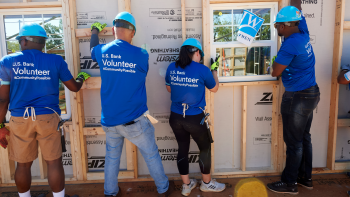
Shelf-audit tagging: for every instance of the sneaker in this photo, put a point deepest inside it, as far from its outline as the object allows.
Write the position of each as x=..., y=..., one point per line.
x=186, y=189
x=169, y=191
x=307, y=183
x=348, y=193
x=281, y=187
x=213, y=186
x=118, y=194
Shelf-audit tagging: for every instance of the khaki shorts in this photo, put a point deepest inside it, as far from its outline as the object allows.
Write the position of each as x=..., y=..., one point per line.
x=25, y=134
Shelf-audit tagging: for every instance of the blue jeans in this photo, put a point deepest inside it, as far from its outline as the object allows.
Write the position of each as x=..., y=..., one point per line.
x=297, y=113
x=141, y=133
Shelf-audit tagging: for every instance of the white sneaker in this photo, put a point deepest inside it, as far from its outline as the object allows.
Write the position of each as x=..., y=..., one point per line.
x=186, y=189
x=213, y=186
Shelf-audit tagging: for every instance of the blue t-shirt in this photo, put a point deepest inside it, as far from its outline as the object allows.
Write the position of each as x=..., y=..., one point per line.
x=297, y=53
x=34, y=80
x=188, y=86
x=123, y=70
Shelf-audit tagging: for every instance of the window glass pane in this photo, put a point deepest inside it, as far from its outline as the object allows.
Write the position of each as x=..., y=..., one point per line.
x=237, y=17
x=264, y=33
x=241, y=61
x=222, y=17
x=33, y=18
x=222, y=34
x=54, y=28
x=55, y=46
x=12, y=25
x=12, y=46
x=264, y=13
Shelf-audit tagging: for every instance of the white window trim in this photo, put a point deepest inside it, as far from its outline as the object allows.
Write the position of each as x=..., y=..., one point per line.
x=3, y=51
x=272, y=43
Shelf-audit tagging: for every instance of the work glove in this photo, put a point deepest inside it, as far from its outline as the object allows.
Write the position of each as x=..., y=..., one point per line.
x=215, y=65
x=3, y=133
x=273, y=59
x=83, y=75
x=345, y=67
x=98, y=26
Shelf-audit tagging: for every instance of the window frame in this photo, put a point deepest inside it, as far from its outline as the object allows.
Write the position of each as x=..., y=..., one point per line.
x=235, y=44
x=29, y=11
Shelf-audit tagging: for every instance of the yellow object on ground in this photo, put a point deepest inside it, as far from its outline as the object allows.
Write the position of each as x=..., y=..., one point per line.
x=250, y=187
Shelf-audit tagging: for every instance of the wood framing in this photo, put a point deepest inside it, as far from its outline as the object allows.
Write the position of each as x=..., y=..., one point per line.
x=274, y=127
x=337, y=53
x=240, y=1
x=183, y=21
x=244, y=128
x=31, y=5
x=86, y=32
x=347, y=25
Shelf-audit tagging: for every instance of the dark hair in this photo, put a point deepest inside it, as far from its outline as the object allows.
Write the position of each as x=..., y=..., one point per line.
x=185, y=56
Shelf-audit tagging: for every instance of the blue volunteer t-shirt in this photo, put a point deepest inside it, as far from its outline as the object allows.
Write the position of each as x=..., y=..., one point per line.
x=297, y=53
x=188, y=86
x=123, y=70
x=34, y=80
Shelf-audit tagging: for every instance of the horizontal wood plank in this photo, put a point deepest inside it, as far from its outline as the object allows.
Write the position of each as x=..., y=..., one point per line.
x=31, y=5
x=127, y=174
x=240, y=1
x=343, y=122
x=93, y=131
x=251, y=83
x=86, y=32
x=92, y=83
x=347, y=25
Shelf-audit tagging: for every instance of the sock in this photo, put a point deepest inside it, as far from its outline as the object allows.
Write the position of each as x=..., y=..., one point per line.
x=25, y=194
x=59, y=194
x=207, y=183
x=189, y=183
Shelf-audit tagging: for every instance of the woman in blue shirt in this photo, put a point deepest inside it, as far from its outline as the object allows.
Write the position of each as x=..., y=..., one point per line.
x=186, y=80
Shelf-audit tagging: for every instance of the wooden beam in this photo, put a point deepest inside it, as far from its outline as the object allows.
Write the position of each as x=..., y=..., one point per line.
x=92, y=83
x=129, y=155
x=77, y=103
x=86, y=32
x=42, y=165
x=240, y=1
x=244, y=128
x=127, y=174
x=337, y=53
x=127, y=5
x=183, y=20
x=252, y=83
x=347, y=25
x=31, y=5
x=274, y=127
x=5, y=165
x=343, y=122
x=233, y=126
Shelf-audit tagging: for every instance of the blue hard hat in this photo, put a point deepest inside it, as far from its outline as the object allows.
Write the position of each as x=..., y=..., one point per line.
x=126, y=16
x=32, y=29
x=288, y=14
x=195, y=43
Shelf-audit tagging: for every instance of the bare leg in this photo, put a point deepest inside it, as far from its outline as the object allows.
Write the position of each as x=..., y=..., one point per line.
x=55, y=175
x=206, y=178
x=185, y=179
x=23, y=176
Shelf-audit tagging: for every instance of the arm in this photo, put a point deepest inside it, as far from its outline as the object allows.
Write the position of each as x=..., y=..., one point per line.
x=296, y=3
x=341, y=77
x=215, y=75
x=168, y=88
x=94, y=41
x=4, y=103
x=277, y=69
x=74, y=85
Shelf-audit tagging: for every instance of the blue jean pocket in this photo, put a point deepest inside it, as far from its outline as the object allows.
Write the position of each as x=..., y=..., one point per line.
x=134, y=130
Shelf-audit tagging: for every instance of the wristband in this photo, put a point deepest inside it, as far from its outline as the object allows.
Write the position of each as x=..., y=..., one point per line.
x=80, y=77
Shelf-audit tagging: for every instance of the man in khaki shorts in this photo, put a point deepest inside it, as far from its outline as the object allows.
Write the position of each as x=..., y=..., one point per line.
x=30, y=90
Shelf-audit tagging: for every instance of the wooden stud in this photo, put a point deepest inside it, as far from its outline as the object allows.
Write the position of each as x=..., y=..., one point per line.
x=42, y=165
x=135, y=161
x=129, y=155
x=92, y=83
x=31, y=5
x=233, y=126
x=240, y=1
x=343, y=123
x=93, y=131
x=73, y=151
x=5, y=165
x=86, y=32
x=183, y=21
x=252, y=83
x=274, y=127
x=347, y=25
x=244, y=128
x=127, y=174
x=337, y=53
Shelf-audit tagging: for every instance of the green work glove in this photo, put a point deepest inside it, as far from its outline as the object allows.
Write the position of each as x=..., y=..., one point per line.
x=83, y=75
x=215, y=65
x=273, y=59
x=98, y=26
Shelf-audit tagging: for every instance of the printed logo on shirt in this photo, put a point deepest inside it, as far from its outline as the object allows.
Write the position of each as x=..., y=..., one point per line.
x=115, y=65
x=29, y=73
x=182, y=81
x=308, y=48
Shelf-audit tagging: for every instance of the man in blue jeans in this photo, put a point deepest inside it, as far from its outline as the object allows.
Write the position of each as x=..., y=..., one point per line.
x=123, y=70
x=296, y=62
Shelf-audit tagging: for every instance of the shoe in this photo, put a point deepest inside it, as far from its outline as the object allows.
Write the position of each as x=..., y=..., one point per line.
x=212, y=186
x=169, y=191
x=348, y=193
x=66, y=195
x=118, y=194
x=186, y=189
x=307, y=183
x=281, y=187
